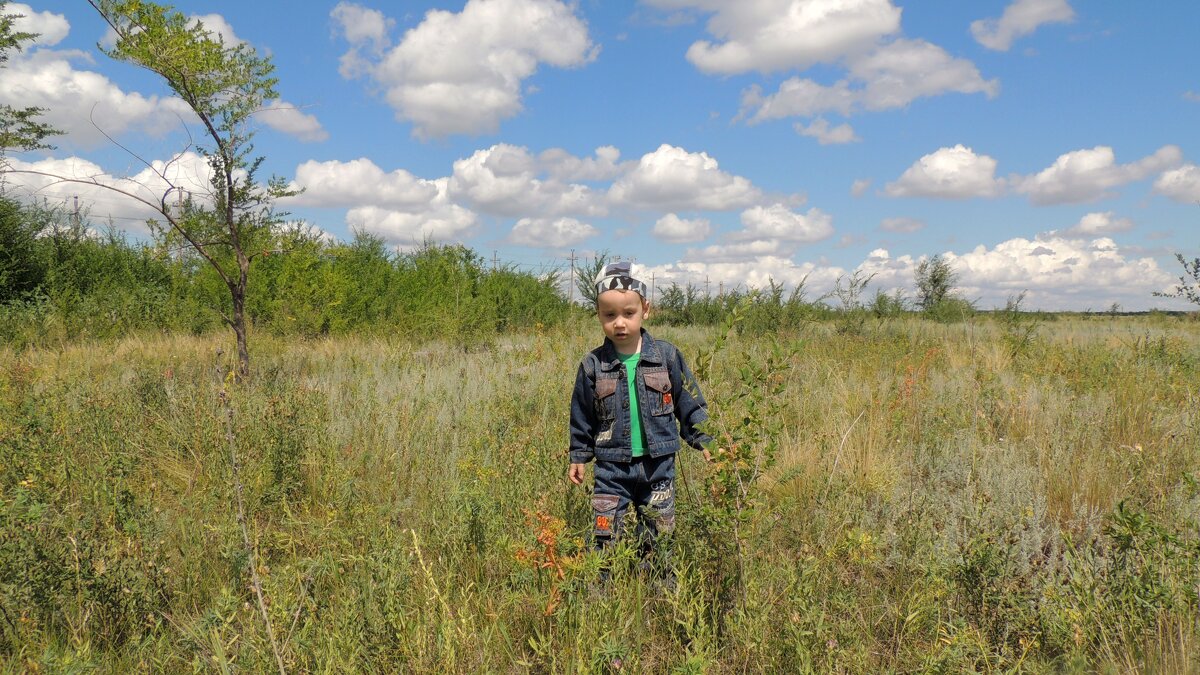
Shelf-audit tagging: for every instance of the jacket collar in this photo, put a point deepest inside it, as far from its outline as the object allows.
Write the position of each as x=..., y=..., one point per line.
x=611, y=360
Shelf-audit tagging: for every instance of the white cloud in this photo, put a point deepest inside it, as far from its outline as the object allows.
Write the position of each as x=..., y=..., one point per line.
x=771, y=35
x=73, y=177
x=360, y=181
x=501, y=174
x=739, y=251
x=1088, y=175
x=1191, y=96
x=551, y=233
x=1094, y=224
x=890, y=76
x=1182, y=184
x=674, y=229
x=888, y=272
x=901, y=225
x=860, y=186
x=367, y=31
x=287, y=118
x=49, y=27
x=1020, y=18
x=83, y=103
x=502, y=180
x=827, y=135
x=506, y=180
x=564, y=166
x=905, y=70
x=1078, y=176
x=402, y=208
x=949, y=173
x=777, y=222
x=671, y=178
x=1059, y=273
x=884, y=69
x=798, y=97
x=768, y=231
x=87, y=105
x=463, y=73
x=748, y=273
x=443, y=222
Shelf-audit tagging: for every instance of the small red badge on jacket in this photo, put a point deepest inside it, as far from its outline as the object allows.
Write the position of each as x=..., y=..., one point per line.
x=667, y=398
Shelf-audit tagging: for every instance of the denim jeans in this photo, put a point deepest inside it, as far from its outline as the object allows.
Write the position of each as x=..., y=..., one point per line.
x=648, y=483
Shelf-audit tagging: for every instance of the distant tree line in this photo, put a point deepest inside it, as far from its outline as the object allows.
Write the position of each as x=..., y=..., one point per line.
x=62, y=280
x=848, y=305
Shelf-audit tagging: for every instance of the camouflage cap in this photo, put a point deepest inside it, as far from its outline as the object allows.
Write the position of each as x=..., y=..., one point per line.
x=619, y=276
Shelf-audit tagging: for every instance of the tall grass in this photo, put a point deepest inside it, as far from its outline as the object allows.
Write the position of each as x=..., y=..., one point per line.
x=921, y=496
x=62, y=282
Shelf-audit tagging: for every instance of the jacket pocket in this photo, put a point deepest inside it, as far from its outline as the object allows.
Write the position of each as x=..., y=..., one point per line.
x=605, y=388
x=658, y=389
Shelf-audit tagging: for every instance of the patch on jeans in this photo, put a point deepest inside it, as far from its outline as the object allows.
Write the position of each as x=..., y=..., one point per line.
x=605, y=508
x=662, y=506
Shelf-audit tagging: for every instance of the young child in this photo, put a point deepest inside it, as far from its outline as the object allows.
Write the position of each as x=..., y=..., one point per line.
x=634, y=397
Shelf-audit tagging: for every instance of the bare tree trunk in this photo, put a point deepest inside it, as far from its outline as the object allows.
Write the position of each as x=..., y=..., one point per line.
x=239, y=329
x=238, y=291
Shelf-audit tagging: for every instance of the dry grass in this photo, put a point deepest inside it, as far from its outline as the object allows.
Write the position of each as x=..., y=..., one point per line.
x=940, y=501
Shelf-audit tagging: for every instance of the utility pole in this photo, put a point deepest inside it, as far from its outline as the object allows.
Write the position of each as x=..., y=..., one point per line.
x=495, y=263
x=706, y=285
x=720, y=289
x=571, y=280
x=652, y=287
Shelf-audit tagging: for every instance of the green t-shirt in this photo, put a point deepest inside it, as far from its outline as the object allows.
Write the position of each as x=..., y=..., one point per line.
x=637, y=440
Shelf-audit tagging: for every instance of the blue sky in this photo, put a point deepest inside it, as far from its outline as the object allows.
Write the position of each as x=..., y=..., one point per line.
x=1046, y=146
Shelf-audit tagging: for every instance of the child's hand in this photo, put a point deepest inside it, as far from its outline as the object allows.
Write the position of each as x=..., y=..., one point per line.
x=575, y=473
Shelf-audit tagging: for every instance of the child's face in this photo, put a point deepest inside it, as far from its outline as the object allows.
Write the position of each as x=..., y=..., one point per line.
x=621, y=314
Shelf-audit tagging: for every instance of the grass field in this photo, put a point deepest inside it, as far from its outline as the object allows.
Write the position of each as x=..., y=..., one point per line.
x=993, y=495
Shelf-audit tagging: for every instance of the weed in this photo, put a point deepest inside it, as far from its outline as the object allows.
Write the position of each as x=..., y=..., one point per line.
x=1020, y=328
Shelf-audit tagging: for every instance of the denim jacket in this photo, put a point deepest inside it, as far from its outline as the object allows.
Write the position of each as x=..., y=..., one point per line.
x=669, y=401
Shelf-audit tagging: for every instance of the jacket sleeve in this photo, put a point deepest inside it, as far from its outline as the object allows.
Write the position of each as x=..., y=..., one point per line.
x=583, y=418
x=690, y=408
